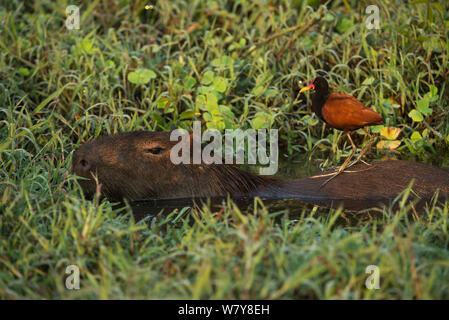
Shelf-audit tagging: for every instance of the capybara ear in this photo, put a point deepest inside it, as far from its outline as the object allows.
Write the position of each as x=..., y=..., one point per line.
x=154, y=150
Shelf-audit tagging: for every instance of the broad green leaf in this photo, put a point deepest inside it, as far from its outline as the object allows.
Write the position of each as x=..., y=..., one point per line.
x=222, y=62
x=423, y=106
x=425, y=133
x=261, y=120
x=207, y=116
x=157, y=118
x=416, y=115
x=228, y=39
x=208, y=77
x=24, y=71
x=433, y=90
x=141, y=76
x=258, y=123
x=220, y=84
x=110, y=63
x=162, y=102
x=200, y=101
x=344, y=25
x=189, y=82
x=211, y=102
x=432, y=94
x=205, y=89
x=387, y=103
x=210, y=125
x=217, y=120
x=416, y=136
x=226, y=111
x=270, y=93
x=87, y=46
x=376, y=129
x=258, y=90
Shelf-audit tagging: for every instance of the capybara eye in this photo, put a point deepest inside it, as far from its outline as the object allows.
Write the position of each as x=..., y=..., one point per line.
x=83, y=163
x=155, y=150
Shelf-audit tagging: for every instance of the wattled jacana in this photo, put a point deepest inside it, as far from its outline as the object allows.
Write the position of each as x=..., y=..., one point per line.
x=342, y=112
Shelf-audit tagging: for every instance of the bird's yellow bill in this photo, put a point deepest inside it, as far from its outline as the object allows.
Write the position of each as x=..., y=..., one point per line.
x=305, y=89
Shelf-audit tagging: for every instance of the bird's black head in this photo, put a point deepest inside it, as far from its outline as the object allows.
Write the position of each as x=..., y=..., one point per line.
x=319, y=97
x=319, y=84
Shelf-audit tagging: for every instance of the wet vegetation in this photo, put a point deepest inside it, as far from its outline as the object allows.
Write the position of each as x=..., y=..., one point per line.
x=230, y=64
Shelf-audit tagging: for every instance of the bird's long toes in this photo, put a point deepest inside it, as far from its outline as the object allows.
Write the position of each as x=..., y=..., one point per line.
x=327, y=181
x=366, y=163
x=356, y=161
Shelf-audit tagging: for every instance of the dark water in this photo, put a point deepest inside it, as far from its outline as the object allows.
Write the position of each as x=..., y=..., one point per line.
x=144, y=208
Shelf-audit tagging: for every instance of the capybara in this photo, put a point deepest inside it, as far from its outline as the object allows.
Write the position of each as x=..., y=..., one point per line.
x=137, y=166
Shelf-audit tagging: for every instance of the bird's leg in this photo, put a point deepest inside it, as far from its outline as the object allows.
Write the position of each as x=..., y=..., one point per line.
x=354, y=148
x=364, y=150
x=344, y=165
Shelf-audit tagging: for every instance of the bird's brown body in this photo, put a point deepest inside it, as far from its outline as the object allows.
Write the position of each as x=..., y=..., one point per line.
x=346, y=113
x=338, y=110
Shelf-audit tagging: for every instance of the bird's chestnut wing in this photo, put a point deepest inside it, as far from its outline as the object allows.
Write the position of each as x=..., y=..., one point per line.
x=344, y=112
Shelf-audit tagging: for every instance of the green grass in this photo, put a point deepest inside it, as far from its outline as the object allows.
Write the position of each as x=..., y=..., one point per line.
x=60, y=88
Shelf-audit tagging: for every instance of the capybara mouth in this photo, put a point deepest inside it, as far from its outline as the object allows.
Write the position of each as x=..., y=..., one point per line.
x=88, y=189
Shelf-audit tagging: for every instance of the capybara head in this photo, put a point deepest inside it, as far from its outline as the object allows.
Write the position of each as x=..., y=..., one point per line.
x=137, y=165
